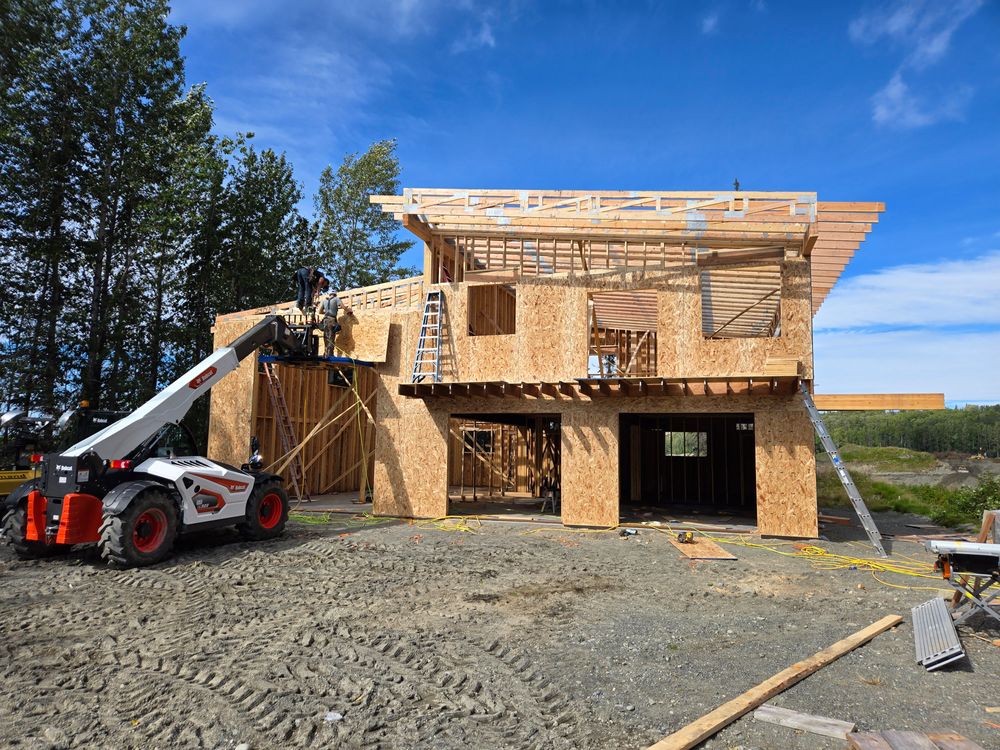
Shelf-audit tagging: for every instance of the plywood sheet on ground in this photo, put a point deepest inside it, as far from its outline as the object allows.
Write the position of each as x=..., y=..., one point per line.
x=702, y=549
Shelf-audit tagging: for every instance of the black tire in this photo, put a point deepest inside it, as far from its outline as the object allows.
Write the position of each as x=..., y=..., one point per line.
x=15, y=525
x=267, y=512
x=142, y=534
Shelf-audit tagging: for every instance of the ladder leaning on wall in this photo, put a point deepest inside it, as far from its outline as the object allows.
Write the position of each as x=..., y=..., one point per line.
x=286, y=431
x=427, y=362
x=845, y=476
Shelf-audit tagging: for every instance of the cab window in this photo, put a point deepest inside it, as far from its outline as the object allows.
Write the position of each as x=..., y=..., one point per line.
x=174, y=441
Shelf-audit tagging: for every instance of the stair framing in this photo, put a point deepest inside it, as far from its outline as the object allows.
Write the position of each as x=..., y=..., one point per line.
x=286, y=431
x=427, y=360
x=845, y=476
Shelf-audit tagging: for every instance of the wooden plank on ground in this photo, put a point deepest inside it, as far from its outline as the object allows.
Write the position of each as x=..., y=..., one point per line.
x=903, y=740
x=867, y=741
x=806, y=722
x=702, y=549
x=952, y=741
x=838, y=520
x=689, y=736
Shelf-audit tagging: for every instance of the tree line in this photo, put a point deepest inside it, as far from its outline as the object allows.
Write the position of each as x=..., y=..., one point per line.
x=127, y=224
x=971, y=430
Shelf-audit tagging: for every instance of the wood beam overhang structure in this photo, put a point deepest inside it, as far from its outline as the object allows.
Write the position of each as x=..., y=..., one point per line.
x=506, y=234
x=595, y=388
x=878, y=401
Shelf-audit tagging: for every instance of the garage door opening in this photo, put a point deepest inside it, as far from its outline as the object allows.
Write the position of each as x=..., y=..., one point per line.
x=501, y=464
x=693, y=463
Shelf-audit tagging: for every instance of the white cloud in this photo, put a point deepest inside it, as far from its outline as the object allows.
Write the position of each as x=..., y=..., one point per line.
x=897, y=106
x=962, y=365
x=946, y=293
x=482, y=37
x=922, y=28
x=926, y=327
x=923, y=31
x=710, y=23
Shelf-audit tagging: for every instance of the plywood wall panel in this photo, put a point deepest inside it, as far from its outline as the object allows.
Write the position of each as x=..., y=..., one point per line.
x=786, y=470
x=230, y=422
x=590, y=466
x=411, y=454
x=683, y=349
x=364, y=335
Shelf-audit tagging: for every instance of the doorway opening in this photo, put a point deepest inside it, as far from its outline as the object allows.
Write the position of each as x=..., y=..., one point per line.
x=688, y=463
x=504, y=464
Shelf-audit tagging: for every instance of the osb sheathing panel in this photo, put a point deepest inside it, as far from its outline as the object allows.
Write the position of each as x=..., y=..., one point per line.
x=549, y=342
x=683, y=350
x=552, y=334
x=412, y=455
x=411, y=446
x=786, y=471
x=230, y=423
x=364, y=335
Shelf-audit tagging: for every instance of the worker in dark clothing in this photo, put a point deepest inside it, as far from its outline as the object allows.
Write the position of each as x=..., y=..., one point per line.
x=328, y=308
x=308, y=282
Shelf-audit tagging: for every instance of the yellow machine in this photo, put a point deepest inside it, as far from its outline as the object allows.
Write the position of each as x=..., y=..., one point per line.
x=24, y=433
x=11, y=479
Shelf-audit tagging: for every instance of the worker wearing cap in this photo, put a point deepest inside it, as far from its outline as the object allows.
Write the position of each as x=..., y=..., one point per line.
x=328, y=309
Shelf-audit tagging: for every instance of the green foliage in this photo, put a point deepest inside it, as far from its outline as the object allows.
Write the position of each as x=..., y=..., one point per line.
x=946, y=506
x=356, y=240
x=887, y=459
x=968, y=430
x=127, y=226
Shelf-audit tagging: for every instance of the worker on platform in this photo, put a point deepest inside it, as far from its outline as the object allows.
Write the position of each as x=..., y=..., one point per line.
x=309, y=283
x=328, y=308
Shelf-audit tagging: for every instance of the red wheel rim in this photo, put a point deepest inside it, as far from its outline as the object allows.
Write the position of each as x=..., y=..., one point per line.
x=150, y=530
x=269, y=510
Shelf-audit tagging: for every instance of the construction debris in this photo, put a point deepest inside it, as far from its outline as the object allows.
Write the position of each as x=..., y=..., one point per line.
x=727, y=713
x=805, y=722
x=891, y=739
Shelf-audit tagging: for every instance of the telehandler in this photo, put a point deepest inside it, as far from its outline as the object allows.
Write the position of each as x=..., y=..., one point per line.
x=131, y=489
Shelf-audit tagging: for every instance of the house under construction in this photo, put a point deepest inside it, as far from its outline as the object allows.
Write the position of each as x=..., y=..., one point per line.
x=606, y=354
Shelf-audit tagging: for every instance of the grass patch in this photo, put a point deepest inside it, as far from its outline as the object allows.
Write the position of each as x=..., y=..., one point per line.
x=948, y=507
x=888, y=459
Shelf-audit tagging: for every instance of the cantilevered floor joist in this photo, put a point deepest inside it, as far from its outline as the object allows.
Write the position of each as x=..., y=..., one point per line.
x=753, y=385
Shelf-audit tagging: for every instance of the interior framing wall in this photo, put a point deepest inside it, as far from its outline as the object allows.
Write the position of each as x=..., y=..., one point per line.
x=340, y=458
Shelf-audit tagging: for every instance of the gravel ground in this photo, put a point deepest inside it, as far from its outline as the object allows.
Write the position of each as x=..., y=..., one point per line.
x=400, y=635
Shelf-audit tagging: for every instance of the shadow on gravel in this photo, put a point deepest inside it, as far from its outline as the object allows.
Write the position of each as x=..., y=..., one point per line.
x=216, y=546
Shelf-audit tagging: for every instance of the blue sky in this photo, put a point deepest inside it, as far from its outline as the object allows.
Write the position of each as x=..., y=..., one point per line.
x=896, y=102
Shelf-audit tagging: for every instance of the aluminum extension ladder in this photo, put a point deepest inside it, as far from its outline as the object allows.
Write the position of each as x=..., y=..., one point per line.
x=429, y=344
x=286, y=431
x=845, y=476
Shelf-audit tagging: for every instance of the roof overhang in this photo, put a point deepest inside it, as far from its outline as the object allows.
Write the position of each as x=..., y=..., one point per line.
x=553, y=231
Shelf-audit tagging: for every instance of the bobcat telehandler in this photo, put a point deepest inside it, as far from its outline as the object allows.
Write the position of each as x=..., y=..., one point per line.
x=125, y=488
